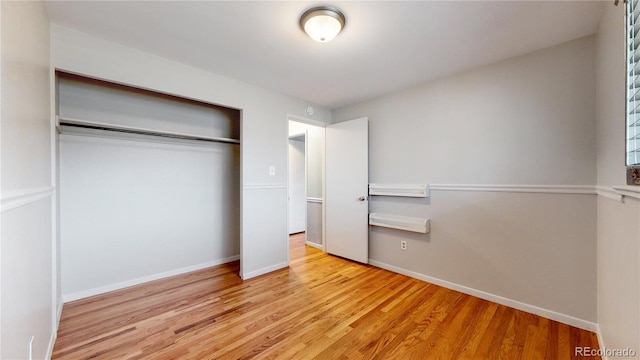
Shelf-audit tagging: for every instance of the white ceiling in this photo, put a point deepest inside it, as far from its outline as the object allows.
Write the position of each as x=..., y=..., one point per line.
x=385, y=46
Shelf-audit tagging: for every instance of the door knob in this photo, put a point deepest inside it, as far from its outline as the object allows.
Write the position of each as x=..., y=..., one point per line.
x=362, y=198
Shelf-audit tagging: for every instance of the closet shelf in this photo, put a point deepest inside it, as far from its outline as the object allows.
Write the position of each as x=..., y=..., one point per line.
x=418, y=225
x=85, y=124
x=405, y=190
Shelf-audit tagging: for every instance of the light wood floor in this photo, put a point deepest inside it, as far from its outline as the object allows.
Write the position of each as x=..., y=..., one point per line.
x=322, y=307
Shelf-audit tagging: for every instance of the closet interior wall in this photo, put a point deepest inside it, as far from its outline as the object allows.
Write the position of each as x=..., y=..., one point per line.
x=134, y=208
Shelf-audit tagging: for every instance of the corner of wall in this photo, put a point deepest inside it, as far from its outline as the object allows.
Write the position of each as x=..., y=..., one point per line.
x=618, y=232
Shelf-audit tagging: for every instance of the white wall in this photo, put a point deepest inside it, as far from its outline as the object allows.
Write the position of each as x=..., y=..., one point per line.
x=618, y=221
x=314, y=223
x=27, y=288
x=264, y=130
x=610, y=95
x=297, y=185
x=315, y=139
x=516, y=125
x=135, y=210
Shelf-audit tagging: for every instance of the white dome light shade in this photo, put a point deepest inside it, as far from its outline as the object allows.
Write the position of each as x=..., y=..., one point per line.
x=322, y=28
x=322, y=24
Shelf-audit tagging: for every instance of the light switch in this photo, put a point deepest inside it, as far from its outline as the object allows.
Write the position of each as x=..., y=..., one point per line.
x=272, y=170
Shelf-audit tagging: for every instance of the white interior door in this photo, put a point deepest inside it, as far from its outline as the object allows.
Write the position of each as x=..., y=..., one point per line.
x=346, y=189
x=297, y=188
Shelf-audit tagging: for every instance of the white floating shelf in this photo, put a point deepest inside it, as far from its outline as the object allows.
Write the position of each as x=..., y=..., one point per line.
x=418, y=225
x=407, y=190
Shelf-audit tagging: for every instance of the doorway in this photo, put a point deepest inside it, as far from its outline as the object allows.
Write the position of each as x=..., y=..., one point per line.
x=306, y=179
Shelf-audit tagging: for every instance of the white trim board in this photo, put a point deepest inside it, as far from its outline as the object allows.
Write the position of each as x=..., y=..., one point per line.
x=59, y=312
x=264, y=186
x=549, y=314
x=609, y=193
x=618, y=193
x=54, y=332
x=141, y=280
x=14, y=199
x=601, y=344
x=264, y=270
x=314, y=245
x=51, y=344
x=630, y=191
x=545, y=189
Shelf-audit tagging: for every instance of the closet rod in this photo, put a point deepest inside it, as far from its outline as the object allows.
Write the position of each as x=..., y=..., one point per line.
x=140, y=131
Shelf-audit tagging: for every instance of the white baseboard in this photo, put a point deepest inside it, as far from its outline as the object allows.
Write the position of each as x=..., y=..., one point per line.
x=314, y=245
x=52, y=342
x=59, y=312
x=54, y=331
x=60, y=306
x=121, y=285
x=264, y=270
x=549, y=314
x=601, y=344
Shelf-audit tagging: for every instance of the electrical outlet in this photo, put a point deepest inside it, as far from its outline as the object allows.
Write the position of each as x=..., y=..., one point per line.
x=403, y=245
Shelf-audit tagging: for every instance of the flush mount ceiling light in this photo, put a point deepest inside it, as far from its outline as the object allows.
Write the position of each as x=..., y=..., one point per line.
x=322, y=23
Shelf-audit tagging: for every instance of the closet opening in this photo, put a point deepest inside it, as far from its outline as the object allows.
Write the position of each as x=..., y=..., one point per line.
x=149, y=185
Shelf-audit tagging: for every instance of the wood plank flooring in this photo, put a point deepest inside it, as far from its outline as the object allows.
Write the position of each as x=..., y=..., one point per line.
x=321, y=307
